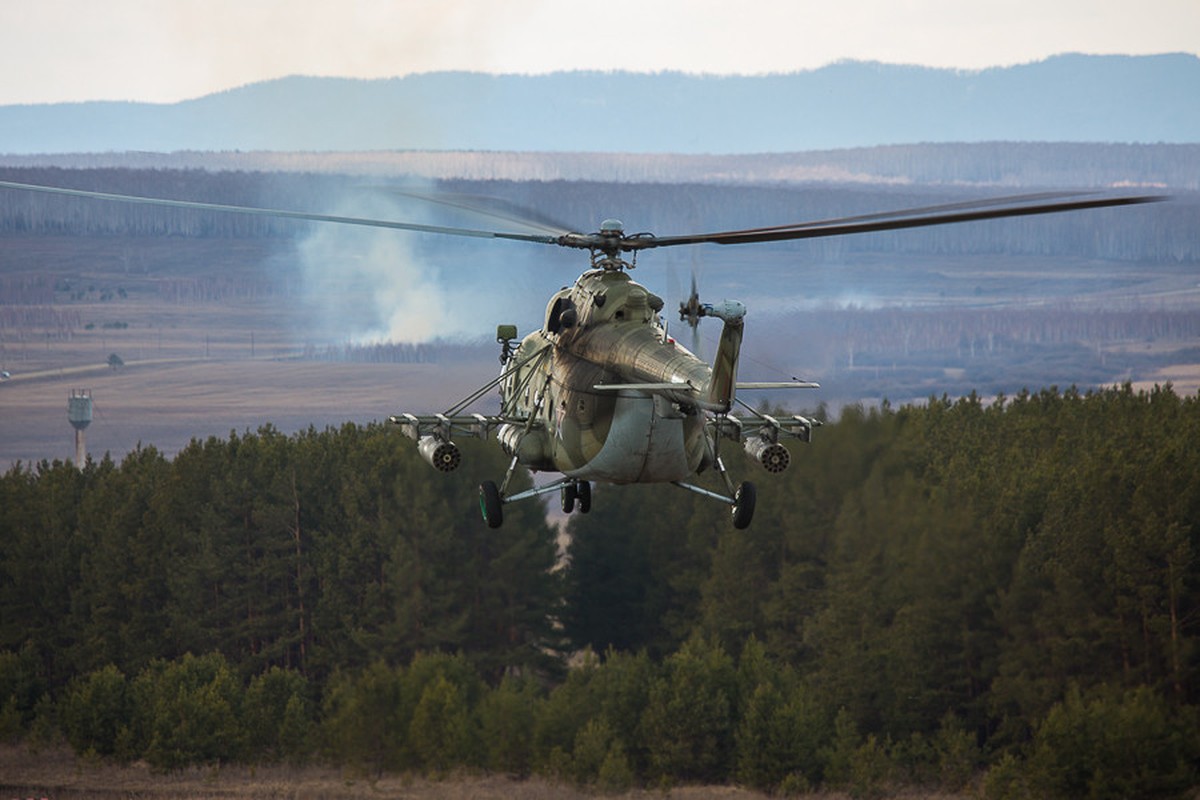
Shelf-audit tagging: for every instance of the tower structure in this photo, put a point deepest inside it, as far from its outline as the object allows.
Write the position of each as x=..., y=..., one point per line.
x=79, y=412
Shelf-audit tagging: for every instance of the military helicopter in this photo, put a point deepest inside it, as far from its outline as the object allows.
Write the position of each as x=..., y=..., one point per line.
x=601, y=392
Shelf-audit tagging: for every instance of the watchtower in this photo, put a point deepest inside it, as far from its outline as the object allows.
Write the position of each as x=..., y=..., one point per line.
x=79, y=413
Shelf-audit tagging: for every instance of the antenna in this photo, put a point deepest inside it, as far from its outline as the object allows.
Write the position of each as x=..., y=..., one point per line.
x=79, y=413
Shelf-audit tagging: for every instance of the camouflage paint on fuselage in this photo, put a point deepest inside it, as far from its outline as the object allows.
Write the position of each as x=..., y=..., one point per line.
x=606, y=330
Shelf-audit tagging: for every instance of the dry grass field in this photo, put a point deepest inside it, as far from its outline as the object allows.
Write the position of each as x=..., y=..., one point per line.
x=193, y=366
x=168, y=402
x=57, y=774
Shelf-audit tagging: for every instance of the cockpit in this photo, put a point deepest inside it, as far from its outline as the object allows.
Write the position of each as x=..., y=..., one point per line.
x=599, y=298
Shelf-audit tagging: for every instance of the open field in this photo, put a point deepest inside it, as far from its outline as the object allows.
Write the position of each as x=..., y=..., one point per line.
x=216, y=335
x=57, y=774
x=223, y=352
x=168, y=403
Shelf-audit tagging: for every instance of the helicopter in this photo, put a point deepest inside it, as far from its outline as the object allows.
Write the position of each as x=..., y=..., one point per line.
x=601, y=393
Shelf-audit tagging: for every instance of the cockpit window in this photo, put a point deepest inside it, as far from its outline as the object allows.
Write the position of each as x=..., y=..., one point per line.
x=562, y=315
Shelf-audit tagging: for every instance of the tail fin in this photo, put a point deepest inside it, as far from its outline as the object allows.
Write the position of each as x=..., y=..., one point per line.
x=724, y=373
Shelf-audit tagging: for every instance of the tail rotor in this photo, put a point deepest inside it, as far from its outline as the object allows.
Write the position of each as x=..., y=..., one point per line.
x=690, y=311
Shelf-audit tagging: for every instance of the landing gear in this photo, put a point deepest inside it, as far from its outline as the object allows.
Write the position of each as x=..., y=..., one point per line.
x=490, y=504
x=743, y=505
x=573, y=491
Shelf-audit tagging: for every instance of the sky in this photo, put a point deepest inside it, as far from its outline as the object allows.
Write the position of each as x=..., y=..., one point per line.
x=170, y=50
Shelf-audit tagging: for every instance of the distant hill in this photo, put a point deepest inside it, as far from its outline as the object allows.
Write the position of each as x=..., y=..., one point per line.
x=1068, y=98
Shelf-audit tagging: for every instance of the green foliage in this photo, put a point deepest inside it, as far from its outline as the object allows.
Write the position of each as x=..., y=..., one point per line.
x=1005, y=780
x=840, y=752
x=278, y=715
x=1014, y=579
x=637, y=564
x=564, y=714
x=441, y=732
x=190, y=710
x=11, y=727
x=507, y=721
x=689, y=719
x=780, y=737
x=616, y=775
x=593, y=746
x=871, y=770
x=364, y=723
x=1113, y=744
x=621, y=690
x=94, y=714
x=957, y=753
x=313, y=552
x=20, y=689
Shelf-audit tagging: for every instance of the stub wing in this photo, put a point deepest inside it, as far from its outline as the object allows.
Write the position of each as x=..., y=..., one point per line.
x=418, y=426
x=760, y=435
x=435, y=433
x=763, y=426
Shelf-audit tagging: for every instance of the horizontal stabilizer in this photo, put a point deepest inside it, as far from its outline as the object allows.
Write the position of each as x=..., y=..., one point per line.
x=778, y=385
x=678, y=386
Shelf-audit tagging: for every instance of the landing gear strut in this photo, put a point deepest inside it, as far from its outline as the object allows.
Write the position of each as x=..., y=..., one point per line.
x=740, y=499
x=571, y=491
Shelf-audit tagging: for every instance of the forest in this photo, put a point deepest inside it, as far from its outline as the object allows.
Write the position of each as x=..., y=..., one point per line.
x=1175, y=167
x=957, y=595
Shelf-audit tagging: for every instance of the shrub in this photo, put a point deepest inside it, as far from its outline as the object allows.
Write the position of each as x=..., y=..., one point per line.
x=94, y=713
x=194, y=712
x=507, y=717
x=441, y=732
x=1112, y=744
x=689, y=723
x=363, y=724
x=278, y=715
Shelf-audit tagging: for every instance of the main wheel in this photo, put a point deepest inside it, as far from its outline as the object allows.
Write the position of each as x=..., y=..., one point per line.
x=743, y=505
x=490, y=504
x=567, y=495
x=584, y=490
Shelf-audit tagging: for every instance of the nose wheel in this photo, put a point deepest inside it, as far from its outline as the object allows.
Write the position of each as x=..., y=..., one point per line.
x=573, y=492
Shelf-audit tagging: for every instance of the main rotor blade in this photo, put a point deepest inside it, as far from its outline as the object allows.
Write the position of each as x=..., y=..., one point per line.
x=482, y=206
x=610, y=243
x=964, y=205
x=269, y=212
x=898, y=220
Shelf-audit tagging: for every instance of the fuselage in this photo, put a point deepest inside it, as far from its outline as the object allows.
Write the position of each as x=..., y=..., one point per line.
x=606, y=331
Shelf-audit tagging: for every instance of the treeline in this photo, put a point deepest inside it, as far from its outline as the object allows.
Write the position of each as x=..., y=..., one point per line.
x=394, y=353
x=987, y=164
x=1002, y=595
x=208, y=289
x=1161, y=233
